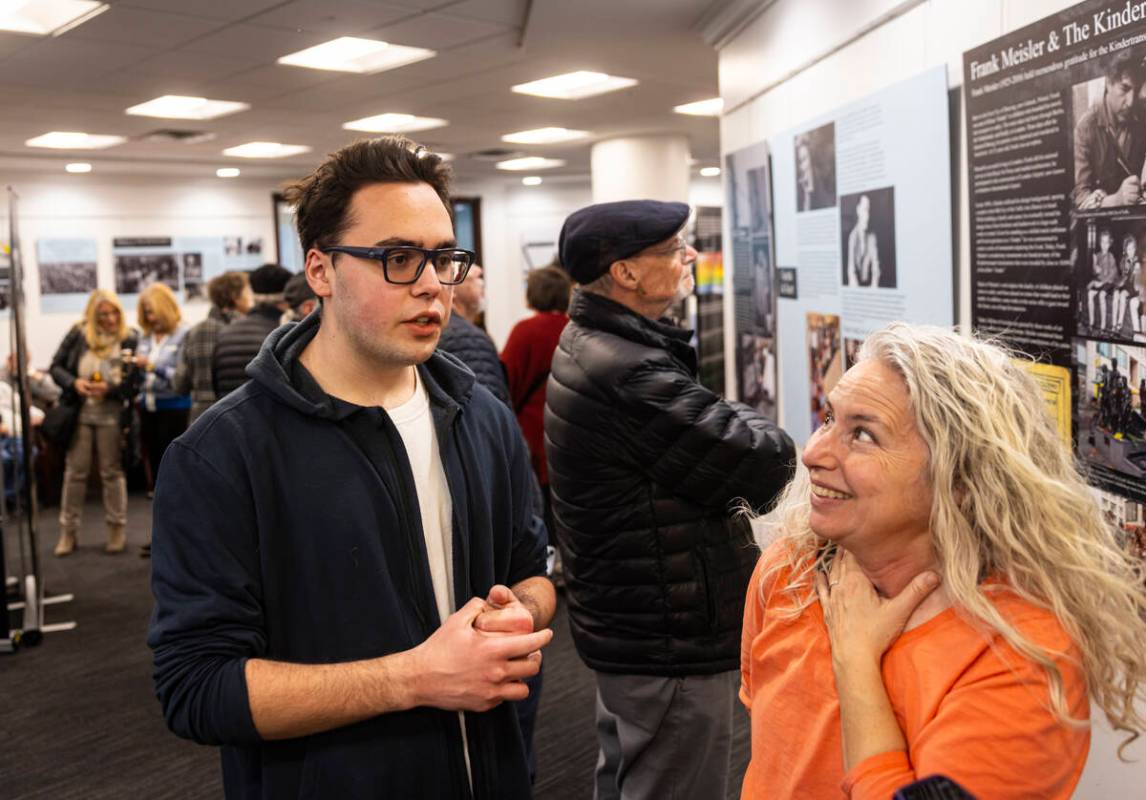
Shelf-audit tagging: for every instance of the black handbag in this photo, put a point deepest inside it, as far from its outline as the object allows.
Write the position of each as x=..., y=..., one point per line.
x=59, y=425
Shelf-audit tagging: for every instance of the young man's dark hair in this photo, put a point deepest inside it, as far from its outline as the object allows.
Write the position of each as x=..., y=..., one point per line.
x=322, y=199
x=1126, y=64
x=548, y=289
x=225, y=290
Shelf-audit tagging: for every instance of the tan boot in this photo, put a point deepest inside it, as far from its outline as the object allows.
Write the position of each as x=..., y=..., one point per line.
x=67, y=544
x=116, y=539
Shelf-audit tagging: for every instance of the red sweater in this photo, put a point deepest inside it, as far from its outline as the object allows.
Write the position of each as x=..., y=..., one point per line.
x=527, y=356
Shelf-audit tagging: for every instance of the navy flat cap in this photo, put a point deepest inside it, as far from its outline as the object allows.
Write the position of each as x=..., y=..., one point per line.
x=596, y=236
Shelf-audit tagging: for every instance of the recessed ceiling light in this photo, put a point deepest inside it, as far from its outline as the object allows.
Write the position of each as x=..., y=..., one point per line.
x=530, y=162
x=78, y=168
x=702, y=108
x=175, y=106
x=266, y=150
x=394, y=123
x=351, y=54
x=74, y=140
x=227, y=172
x=531, y=180
x=710, y=172
x=544, y=136
x=47, y=16
x=575, y=85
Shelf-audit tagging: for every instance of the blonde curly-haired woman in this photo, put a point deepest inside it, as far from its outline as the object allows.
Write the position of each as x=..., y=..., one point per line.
x=940, y=593
x=89, y=368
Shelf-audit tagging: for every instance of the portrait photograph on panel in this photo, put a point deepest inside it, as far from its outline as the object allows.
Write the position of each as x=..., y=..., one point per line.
x=825, y=362
x=1110, y=134
x=867, y=238
x=816, y=168
x=1109, y=279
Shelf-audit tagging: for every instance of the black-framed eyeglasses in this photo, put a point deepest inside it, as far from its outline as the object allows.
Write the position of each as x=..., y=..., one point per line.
x=403, y=265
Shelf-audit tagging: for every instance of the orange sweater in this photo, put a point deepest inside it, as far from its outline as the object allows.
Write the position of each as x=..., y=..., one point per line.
x=975, y=713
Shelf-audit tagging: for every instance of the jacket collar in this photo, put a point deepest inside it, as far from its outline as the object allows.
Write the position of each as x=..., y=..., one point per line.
x=591, y=310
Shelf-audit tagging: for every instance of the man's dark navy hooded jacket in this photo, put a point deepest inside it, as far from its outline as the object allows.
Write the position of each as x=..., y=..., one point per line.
x=286, y=527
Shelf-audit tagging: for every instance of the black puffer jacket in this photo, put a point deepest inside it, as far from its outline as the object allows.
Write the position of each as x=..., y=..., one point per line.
x=476, y=350
x=646, y=467
x=237, y=346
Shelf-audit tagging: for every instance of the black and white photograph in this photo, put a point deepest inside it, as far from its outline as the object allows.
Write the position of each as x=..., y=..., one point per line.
x=254, y=246
x=193, y=276
x=816, y=168
x=867, y=239
x=763, y=306
x=759, y=201
x=756, y=363
x=1109, y=279
x=68, y=277
x=232, y=245
x=133, y=274
x=1109, y=114
x=1111, y=425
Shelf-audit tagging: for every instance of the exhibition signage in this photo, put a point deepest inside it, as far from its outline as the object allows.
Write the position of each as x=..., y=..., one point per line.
x=1056, y=142
x=862, y=200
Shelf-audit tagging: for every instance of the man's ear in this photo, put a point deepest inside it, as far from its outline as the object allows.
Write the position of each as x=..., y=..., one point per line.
x=317, y=274
x=624, y=273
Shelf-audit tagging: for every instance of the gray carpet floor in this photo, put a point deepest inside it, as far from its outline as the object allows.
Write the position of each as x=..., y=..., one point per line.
x=78, y=718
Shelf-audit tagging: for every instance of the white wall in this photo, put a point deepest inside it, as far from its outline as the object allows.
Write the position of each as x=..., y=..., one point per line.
x=792, y=34
x=101, y=208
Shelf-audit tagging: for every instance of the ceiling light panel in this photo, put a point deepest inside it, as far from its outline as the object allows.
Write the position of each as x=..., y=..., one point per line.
x=74, y=140
x=530, y=163
x=710, y=172
x=544, y=136
x=575, y=85
x=702, y=108
x=78, y=168
x=394, y=123
x=266, y=150
x=176, y=106
x=47, y=16
x=351, y=54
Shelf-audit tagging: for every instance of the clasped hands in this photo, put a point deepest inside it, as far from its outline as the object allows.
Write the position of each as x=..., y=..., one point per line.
x=482, y=654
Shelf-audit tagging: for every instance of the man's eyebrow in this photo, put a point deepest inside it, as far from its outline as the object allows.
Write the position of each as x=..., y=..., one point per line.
x=398, y=241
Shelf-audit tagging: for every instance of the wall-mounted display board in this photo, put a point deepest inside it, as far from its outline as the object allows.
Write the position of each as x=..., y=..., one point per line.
x=749, y=206
x=183, y=263
x=68, y=273
x=1056, y=139
x=863, y=233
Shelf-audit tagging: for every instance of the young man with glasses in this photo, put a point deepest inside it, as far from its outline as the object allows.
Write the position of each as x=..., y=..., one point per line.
x=349, y=577
x=646, y=470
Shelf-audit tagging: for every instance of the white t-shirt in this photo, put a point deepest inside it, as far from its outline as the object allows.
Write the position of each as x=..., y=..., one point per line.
x=416, y=426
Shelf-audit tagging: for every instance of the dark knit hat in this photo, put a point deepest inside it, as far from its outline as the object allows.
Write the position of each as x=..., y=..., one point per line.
x=597, y=235
x=297, y=290
x=269, y=279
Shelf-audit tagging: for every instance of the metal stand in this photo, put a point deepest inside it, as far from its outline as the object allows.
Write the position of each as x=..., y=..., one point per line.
x=34, y=602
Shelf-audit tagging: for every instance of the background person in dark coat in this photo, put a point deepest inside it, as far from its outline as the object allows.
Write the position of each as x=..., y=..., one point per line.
x=470, y=343
x=230, y=295
x=240, y=341
x=646, y=469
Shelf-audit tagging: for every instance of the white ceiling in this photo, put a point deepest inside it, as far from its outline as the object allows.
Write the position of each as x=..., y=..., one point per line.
x=226, y=50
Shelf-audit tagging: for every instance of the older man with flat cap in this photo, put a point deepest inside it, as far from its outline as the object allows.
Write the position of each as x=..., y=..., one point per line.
x=647, y=470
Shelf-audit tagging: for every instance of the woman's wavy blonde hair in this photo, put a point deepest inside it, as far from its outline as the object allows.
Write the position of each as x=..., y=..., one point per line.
x=96, y=339
x=163, y=303
x=1008, y=500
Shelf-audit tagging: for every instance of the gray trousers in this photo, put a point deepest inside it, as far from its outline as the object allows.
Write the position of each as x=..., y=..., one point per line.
x=664, y=738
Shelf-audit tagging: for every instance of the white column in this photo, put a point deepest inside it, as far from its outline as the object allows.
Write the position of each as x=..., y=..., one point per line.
x=641, y=168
